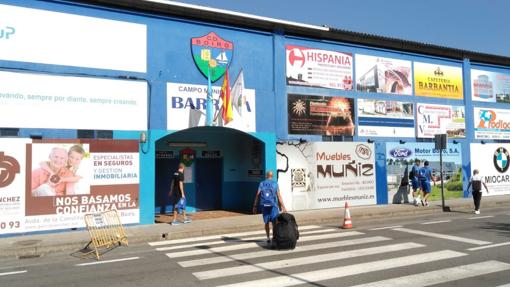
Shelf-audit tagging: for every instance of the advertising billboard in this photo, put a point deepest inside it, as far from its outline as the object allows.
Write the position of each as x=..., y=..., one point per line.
x=383, y=75
x=313, y=67
x=316, y=115
x=39, y=36
x=385, y=118
x=440, y=119
x=491, y=123
x=66, y=180
x=60, y=102
x=490, y=86
x=493, y=162
x=326, y=174
x=186, y=107
x=401, y=157
x=441, y=81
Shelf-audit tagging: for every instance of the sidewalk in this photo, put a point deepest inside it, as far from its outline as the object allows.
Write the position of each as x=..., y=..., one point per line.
x=37, y=245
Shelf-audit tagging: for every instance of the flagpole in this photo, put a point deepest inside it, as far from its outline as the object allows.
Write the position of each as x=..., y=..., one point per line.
x=209, y=104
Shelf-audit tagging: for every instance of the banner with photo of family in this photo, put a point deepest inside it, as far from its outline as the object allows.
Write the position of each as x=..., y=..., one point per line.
x=315, y=175
x=440, y=119
x=490, y=86
x=66, y=180
x=383, y=75
x=319, y=115
x=400, y=158
x=493, y=162
x=379, y=118
x=313, y=67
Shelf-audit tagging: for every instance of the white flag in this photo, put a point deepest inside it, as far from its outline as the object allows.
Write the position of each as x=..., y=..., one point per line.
x=236, y=92
x=194, y=117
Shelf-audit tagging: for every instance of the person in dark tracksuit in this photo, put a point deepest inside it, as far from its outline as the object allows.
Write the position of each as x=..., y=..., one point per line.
x=476, y=183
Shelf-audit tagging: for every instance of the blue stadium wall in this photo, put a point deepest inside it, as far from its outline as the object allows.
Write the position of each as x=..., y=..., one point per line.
x=261, y=55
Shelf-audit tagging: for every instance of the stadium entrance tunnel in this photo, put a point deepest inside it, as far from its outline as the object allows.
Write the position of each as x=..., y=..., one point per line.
x=223, y=169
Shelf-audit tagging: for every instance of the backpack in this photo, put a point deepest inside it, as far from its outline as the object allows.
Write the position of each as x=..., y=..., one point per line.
x=422, y=173
x=285, y=232
x=477, y=185
x=268, y=193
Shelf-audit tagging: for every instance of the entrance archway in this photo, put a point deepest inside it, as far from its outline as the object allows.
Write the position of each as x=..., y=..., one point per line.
x=224, y=167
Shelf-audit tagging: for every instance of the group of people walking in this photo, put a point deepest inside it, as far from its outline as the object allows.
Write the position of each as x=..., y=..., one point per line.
x=421, y=177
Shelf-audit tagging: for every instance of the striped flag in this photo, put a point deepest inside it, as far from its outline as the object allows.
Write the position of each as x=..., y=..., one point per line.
x=226, y=106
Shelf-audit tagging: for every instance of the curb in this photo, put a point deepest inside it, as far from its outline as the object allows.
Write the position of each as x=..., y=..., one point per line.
x=36, y=248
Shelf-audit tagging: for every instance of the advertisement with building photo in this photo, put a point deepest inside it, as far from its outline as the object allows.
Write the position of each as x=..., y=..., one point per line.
x=186, y=107
x=490, y=86
x=491, y=123
x=380, y=118
x=401, y=157
x=441, y=81
x=383, y=75
x=318, y=68
x=65, y=181
x=440, y=119
x=493, y=162
x=316, y=115
x=326, y=174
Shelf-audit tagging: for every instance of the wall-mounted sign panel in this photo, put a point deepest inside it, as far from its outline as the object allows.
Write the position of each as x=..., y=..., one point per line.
x=58, y=102
x=385, y=118
x=491, y=123
x=46, y=37
x=431, y=80
x=440, y=119
x=383, y=75
x=312, y=67
x=490, y=86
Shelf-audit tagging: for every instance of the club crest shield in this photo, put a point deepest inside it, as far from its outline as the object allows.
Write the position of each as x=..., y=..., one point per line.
x=212, y=52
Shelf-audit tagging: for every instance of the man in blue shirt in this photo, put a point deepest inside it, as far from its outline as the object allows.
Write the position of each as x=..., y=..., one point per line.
x=415, y=184
x=425, y=176
x=268, y=197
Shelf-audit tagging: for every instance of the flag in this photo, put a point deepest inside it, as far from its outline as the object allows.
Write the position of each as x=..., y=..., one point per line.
x=237, y=92
x=209, y=103
x=226, y=106
x=195, y=114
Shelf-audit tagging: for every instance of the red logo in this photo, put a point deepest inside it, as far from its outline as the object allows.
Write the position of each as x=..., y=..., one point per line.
x=9, y=167
x=296, y=55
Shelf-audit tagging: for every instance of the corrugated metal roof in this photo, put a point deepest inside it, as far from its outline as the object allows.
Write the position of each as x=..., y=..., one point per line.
x=243, y=20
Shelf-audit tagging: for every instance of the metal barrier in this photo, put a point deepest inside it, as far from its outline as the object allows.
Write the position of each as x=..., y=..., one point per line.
x=106, y=231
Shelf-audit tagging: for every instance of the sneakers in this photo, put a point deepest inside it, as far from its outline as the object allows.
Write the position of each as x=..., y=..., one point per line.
x=477, y=211
x=175, y=222
x=268, y=241
x=187, y=220
x=426, y=203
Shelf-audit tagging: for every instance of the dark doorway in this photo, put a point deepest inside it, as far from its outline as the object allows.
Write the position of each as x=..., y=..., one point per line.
x=165, y=167
x=208, y=180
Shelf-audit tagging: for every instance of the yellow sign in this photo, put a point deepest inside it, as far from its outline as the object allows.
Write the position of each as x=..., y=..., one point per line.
x=431, y=80
x=205, y=54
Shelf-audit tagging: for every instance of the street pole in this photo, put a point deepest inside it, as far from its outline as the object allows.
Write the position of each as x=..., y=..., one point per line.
x=441, y=174
x=440, y=144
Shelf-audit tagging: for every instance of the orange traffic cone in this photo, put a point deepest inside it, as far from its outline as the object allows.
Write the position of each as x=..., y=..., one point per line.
x=347, y=217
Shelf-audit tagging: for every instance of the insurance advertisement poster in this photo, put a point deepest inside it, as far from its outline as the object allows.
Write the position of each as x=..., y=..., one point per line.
x=441, y=81
x=186, y=107
x=491, y=123
x=377, y=118
x=316, y=115
x=52, y=185
x=440, y=119
x=490, y=86
x=401, y=157
x=64, y=102
x=12, y=185
x=493, y=162
x=315, y=175
x=383, y=75
x=313, y=67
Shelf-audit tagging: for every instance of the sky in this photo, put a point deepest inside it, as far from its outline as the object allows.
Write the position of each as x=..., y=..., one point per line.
x=473, y=25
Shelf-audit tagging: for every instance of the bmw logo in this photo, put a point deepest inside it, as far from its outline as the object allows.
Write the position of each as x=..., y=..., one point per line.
x=500, y=159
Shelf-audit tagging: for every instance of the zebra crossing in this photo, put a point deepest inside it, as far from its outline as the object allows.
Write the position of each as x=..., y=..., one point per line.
x=322, y=253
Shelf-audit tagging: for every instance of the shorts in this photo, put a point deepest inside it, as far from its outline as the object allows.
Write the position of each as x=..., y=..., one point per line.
x=425, y=186
x=270, y=213
x=178, y=203
x=415, y=184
